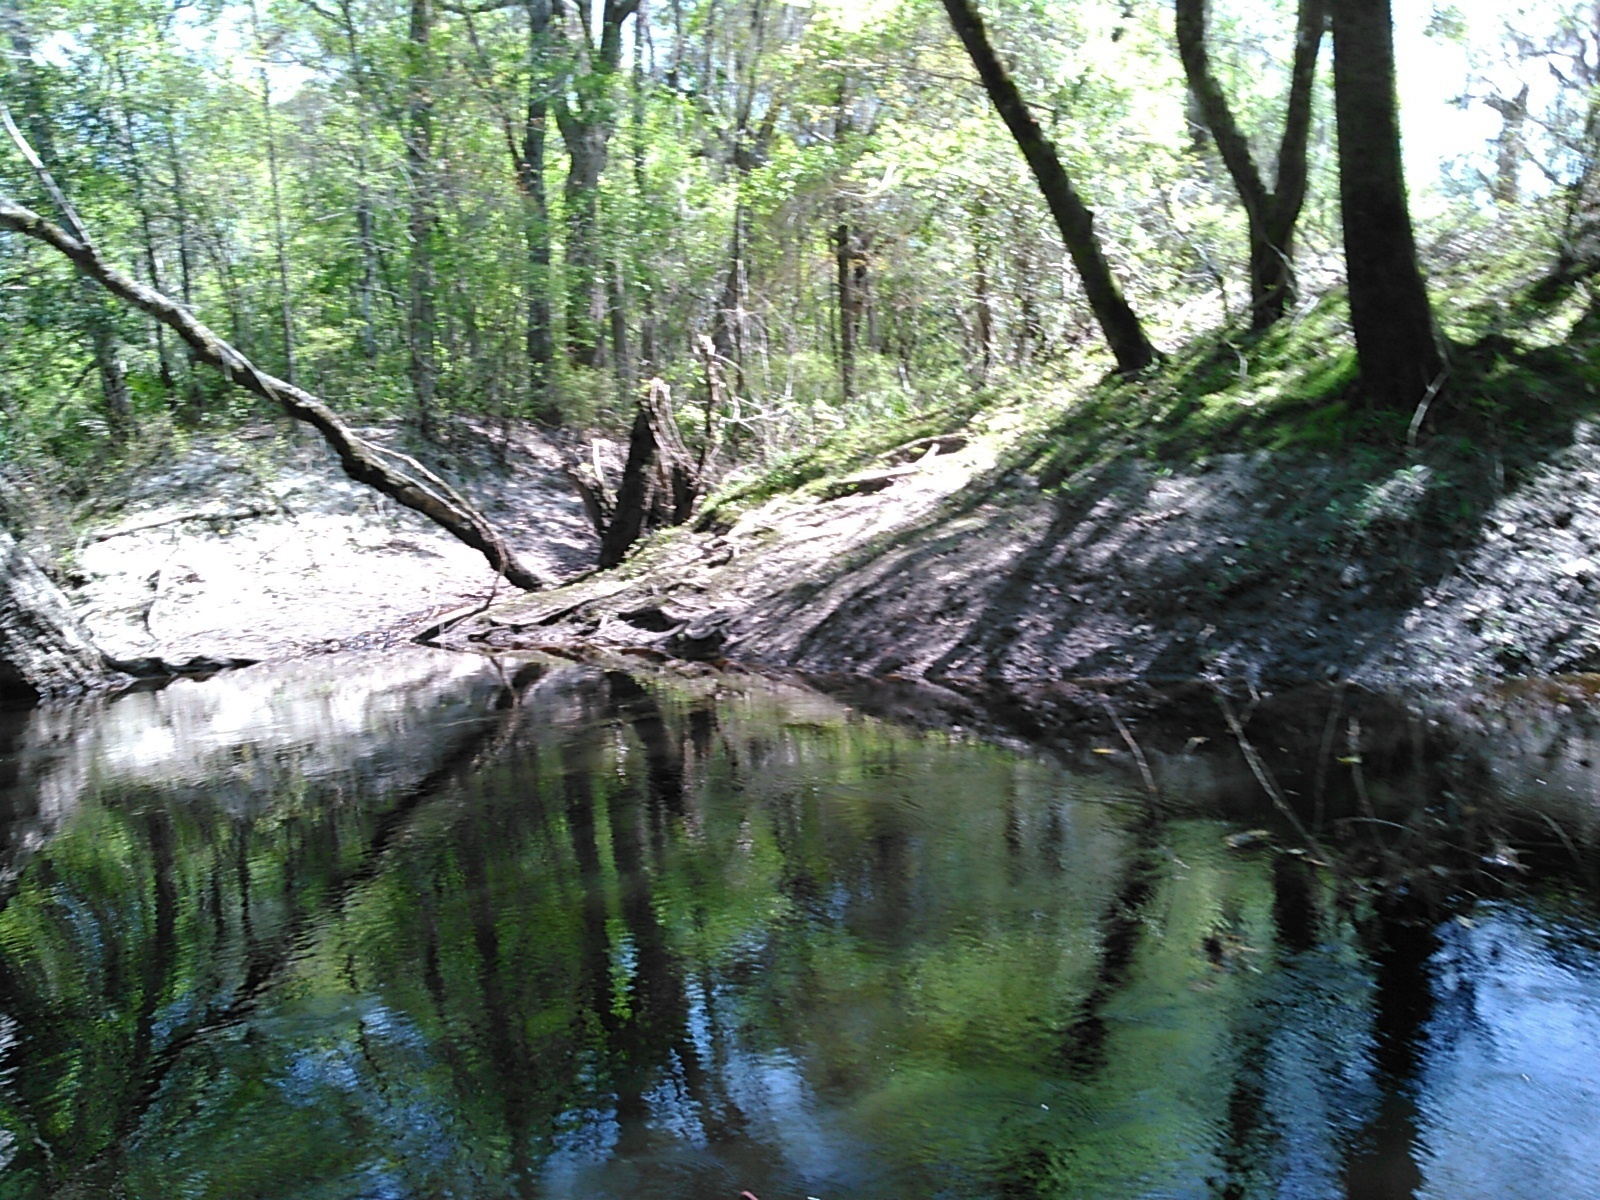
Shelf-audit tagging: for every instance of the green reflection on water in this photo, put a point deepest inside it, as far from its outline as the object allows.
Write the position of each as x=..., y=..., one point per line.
x=613, y=938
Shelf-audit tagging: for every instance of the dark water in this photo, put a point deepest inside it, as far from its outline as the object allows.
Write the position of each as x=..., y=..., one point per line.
x=429, y=927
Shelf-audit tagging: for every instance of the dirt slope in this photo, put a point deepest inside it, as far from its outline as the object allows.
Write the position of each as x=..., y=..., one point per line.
x=1273, y=569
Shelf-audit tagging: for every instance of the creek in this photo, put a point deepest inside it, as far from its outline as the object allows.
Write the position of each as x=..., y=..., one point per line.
x=428, y=925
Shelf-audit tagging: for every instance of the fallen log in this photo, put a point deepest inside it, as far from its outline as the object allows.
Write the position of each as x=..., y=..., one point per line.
x=45, y=653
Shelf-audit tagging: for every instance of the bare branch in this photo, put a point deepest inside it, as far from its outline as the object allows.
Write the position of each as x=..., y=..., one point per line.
x=69, y=213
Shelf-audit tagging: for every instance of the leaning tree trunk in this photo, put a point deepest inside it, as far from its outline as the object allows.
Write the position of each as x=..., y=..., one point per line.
x=1399, y=356
x=397, y=476
x=45, y=653
x=1116, y=317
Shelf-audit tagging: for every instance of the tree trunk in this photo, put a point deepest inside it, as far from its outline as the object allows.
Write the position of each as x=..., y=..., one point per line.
x=617, y=311
x=366, y=215
x=421, y=316
x=540, y=340
x=279, y=240
x=1399, y=356
x=633, y=495
x=983, y=307
x=586, y=151
x=526, y=147
x=1271, y=215
x=1116, y=318
x=727, y=324
x=45, y=653
x=584, y=109
x=848, y=309
x=141, y=204
x=180, y=203
x=108, y=362
x=647, y=305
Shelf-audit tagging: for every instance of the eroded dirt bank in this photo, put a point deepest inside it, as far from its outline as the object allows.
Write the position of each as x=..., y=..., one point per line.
x=1270, y=571
x=948, y=564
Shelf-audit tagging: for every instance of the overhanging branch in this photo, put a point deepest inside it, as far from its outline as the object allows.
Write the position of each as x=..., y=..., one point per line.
x=409, y=484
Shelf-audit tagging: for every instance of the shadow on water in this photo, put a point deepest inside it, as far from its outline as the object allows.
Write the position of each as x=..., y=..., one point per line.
x=427, y=925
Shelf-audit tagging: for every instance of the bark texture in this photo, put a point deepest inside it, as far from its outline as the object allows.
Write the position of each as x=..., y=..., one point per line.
x=1116, y=317
x=395, y=475
x=1400, y=358
x=660, y=482
x=45, y=653
x=1272, y=215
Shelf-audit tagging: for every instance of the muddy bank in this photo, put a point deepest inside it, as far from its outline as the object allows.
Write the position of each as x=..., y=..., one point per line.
x=954, y=567
x=258, y=547
x=1263, y=570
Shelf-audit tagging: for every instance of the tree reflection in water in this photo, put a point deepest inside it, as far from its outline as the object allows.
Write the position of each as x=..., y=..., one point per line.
x=570, y=932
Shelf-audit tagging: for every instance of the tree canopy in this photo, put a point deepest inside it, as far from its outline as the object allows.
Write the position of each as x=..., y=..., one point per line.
x=798, y=215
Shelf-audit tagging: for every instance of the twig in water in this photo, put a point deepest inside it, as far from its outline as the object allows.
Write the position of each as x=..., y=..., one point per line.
x=1325, y=756
x=434, y=632
x=1264, y=778
x=1577, y=859
x=1353, y=742
x=1138, y=754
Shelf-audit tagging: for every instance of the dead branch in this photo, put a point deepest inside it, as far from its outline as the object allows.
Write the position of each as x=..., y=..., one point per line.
x=1264, y=777
x=243, y=514
x=416, y=488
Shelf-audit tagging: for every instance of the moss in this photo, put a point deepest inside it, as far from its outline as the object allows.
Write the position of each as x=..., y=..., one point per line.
x=851, y=449
x=1514, y=394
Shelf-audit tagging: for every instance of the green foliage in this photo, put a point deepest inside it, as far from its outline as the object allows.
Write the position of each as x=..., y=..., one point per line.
x=746, y=138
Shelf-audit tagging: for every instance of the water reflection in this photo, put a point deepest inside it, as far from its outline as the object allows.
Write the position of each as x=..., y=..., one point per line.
x=428, y=926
